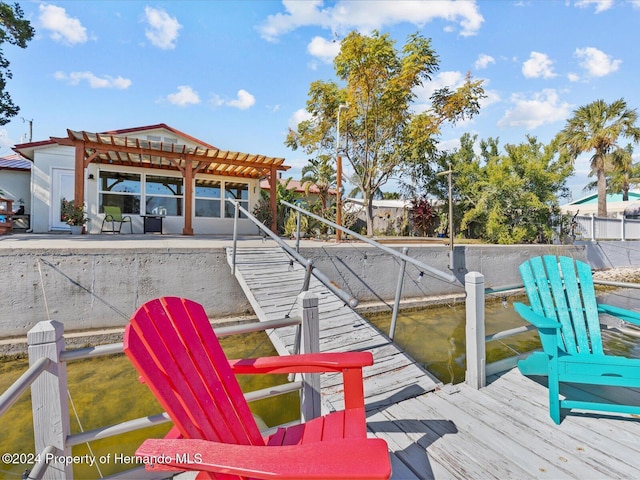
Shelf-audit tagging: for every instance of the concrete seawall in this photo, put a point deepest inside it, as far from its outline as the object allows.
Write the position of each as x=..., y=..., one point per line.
x=93, y=282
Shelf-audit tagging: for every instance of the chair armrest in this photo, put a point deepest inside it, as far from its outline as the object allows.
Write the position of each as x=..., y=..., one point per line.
x=626, y=315
x=340, y=459
x=348, y=363
x=304, y=363
x=532, y=317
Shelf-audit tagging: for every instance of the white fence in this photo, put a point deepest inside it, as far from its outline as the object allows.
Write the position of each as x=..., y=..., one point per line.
x=599, y=228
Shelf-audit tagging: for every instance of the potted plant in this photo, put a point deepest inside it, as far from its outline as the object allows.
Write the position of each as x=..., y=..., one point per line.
x=73, y=216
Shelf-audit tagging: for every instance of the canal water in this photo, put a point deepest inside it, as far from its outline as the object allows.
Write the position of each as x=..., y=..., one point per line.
x=105, y=391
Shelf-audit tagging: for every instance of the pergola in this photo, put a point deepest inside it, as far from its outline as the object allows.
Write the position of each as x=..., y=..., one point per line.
x=129, y=151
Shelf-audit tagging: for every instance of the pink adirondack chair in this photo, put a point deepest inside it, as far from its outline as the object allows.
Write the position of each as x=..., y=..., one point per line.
x=172, y=345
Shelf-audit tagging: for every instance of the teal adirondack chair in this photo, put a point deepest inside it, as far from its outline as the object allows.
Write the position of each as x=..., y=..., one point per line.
x=566, y=314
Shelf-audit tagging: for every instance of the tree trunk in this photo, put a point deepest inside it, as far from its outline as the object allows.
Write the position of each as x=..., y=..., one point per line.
x=368, y=204
x=602, y=193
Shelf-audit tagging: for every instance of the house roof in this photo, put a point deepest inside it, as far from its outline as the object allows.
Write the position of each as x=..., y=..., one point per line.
x=296, y=185
x=116, y=147
x=14, y=161
x=611, y=198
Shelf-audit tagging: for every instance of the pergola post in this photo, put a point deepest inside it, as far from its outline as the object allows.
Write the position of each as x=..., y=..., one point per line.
x=188, y=197
x=273, y=192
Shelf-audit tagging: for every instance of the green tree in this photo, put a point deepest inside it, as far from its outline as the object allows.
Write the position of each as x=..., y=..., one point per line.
x=506, y=198
x=467, y=168
x=381, y=129
x=15, y=30
x=596, y=128
x=319, y=172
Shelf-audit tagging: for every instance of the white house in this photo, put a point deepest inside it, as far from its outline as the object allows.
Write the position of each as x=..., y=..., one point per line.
x=146, y=171
x=15, y=178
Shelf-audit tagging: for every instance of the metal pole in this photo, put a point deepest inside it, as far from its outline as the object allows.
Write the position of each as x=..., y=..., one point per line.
x=307, y=275
x=339, y=176
x=448, y=172
x=298, y=231
x=396, y=304
x=451, y=232
x=235, y=239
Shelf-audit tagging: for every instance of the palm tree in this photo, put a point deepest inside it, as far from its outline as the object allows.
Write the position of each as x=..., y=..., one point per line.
x=596, y=127
x=319, y=172
x=625, y=173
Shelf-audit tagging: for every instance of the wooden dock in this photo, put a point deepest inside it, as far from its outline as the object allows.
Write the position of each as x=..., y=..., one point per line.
x=272, y=290
x=502, y=431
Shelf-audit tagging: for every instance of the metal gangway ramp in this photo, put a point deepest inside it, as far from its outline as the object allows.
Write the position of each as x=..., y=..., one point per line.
x=272, y=281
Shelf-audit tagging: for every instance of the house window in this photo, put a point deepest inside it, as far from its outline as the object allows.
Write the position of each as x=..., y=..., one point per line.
x=239, y=192
x=120, y=190
x=163, y=195
x=208, y=196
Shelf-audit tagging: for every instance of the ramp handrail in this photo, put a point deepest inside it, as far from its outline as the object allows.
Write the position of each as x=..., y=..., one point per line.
x=346, y=297
x=422, y=266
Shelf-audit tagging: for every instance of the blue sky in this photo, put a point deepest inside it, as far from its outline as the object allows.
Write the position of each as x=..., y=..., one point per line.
x=236, y=74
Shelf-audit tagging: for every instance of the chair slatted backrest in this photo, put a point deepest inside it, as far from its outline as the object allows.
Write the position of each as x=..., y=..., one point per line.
x=561, y=288
x=172, y=345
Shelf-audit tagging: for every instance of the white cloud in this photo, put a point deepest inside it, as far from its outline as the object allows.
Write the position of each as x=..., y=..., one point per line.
x=106, y=81
x=163, y=29
x=573, y=77
x=323, y=49
x=345, y=16
x=243, y=101
x=298, y=116
x=538, y=65
x=596, y=62
x=63, y=29
x=484, y=61
x=601, y=5
x=543, y=107
x=184, y=96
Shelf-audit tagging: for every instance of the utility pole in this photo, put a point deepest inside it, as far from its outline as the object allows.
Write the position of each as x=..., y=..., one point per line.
x=30, y=122
x=448, y=173
x=339, y=176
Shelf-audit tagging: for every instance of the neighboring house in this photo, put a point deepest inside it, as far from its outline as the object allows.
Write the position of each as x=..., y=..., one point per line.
x=300, y=188
x=146, y=171
x=589, y=205
x=390, y=217
x=15, y=180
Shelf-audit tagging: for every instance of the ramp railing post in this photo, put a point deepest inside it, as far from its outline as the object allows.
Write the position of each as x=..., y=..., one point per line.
x=309, y=343
x=235, y=238
x=298, y=231
x=475, y=331
x=49, y=397
x=396, y=303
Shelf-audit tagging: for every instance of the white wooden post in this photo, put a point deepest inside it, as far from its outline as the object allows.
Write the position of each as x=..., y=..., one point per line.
x=49, y=397
x=593, y=227
x=310, y=343
x=622, y=227
x=475, y=332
